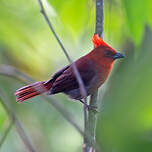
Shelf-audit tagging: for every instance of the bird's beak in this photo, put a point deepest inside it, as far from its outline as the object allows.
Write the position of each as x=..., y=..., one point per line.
x=118, y=55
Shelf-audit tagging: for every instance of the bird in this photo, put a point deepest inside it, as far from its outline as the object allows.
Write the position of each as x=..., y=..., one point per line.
x=94, y=69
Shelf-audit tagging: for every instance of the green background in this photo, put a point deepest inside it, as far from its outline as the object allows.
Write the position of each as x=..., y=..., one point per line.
x=26, y=43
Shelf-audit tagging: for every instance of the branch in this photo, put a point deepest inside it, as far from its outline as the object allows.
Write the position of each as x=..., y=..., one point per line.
x=17, y=123
x=92, y=115
x=77, y=74
x=99, y=18
x=86, y=134
x=14, y=73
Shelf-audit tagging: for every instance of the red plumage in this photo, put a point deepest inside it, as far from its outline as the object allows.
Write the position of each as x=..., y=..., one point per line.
x=94, y=69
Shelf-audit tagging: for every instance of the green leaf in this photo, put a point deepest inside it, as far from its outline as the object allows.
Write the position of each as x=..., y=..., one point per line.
x=136, y=16
x=73, y=13
x=57, y=4
x=149, y=12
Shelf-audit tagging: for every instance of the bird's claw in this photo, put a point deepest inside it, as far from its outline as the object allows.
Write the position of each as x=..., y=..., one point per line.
x=93, y=108
x=90, y=107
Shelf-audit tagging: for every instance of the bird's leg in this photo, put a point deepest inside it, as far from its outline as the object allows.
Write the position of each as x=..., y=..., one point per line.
x=84, y=103
x=94, y=108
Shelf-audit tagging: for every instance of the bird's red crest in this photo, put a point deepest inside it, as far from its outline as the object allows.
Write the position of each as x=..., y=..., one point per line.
x=97, y=41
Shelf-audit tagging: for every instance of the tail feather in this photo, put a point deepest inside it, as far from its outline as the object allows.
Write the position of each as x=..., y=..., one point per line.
x=32, y=90
x=26, y=97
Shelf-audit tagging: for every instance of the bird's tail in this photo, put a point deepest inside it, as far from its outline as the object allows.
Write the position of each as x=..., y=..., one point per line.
x=32, y=90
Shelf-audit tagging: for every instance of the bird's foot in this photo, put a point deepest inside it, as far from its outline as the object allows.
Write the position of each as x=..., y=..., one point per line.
x=90, y=107
x=93, y=108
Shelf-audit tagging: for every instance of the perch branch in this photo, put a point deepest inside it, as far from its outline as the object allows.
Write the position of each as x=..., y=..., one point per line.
x=92, y=115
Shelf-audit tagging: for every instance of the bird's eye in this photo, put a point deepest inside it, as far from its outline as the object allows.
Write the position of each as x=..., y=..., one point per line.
x=108, y=53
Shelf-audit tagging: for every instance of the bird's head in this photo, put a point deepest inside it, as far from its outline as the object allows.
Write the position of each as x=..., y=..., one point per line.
x=104, y=53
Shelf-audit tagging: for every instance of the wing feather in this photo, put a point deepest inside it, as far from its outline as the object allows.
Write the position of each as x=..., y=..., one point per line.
x=67, y=80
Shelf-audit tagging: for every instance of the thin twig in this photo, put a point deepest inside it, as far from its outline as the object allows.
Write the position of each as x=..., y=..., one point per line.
x=14, y=73
x=92, y=115
x=76, y=72
x=17, y=123
x=8, y=129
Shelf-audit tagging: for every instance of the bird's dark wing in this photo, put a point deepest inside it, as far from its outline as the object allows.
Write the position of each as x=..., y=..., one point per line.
x=58, y=73
x=67, y=80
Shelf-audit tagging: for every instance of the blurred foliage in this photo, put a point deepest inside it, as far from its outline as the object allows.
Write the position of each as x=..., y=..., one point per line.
x=125, y=124
x=138, y=14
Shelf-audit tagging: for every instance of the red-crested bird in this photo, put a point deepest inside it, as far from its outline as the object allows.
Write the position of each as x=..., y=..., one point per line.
x=94, y=69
